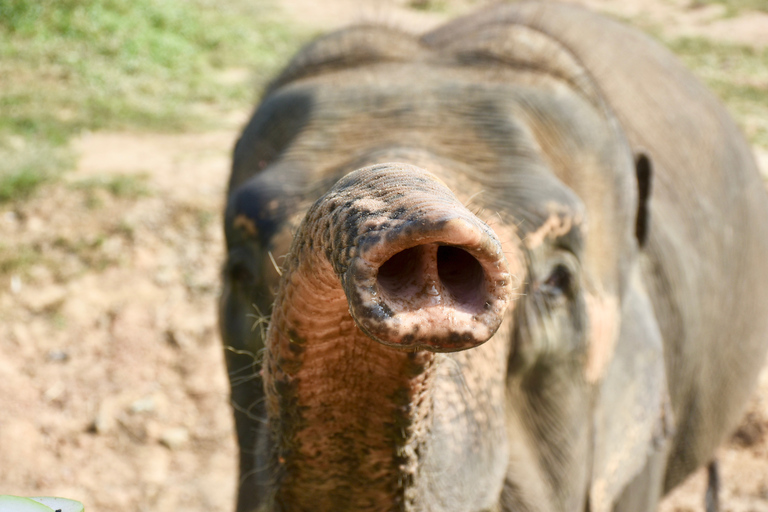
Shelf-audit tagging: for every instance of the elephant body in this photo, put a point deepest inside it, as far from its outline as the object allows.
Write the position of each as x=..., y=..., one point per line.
x=512, y=264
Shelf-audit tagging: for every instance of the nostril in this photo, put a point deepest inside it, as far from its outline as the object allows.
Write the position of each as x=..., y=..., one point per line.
x=401, y=274
x=461, y=275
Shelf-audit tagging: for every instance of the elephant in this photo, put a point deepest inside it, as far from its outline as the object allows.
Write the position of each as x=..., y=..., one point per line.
x=513, y=264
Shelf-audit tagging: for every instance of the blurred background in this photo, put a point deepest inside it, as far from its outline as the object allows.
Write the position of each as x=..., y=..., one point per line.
x=117, y=119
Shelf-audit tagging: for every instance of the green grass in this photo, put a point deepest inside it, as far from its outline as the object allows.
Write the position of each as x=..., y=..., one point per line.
x=27, y=164
x=123, y=186
x=73, y=65
x=21, y=183
x=428, y=5
x=738, y=74
x=735, y=7
x=18, y=258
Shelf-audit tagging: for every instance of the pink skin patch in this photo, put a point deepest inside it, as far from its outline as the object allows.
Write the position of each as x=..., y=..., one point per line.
x=604, y=314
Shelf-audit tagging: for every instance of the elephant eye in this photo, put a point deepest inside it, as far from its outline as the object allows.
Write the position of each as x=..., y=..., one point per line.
x=559, y=282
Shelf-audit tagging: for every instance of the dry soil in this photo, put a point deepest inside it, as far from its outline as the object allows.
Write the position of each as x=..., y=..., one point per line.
x=112, y=383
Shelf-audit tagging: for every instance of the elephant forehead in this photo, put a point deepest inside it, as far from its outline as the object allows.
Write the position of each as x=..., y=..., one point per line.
x=537, y=152
x=425, y=102
x=500, y=132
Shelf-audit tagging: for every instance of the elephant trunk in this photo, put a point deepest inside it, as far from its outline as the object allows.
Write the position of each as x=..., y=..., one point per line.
x=386, y=269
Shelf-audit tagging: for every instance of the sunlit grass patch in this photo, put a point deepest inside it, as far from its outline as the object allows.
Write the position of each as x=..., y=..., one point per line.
x=18, y=258
x=735, y=7
x=123, y=186
x=20, y=183
x=25, y=165
x=428, y=5
x=69, y=65
x=73, y=65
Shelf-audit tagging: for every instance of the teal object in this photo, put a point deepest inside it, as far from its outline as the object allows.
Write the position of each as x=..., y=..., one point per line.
x=38, y=504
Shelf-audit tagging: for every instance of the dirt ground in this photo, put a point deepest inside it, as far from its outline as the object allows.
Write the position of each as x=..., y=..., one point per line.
x=112, y=383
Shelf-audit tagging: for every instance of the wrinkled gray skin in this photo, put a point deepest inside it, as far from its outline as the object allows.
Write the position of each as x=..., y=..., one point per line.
x=536, y=176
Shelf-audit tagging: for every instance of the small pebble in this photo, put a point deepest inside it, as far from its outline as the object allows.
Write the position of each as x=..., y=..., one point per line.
x=174, y=438
x=57, y=356
x=15, y=284
x=143, y=405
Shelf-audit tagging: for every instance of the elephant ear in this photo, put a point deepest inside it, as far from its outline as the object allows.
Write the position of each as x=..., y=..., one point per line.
x=632, y=415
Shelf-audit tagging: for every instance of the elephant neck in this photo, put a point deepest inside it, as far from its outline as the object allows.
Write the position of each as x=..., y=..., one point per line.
x=347, y=415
